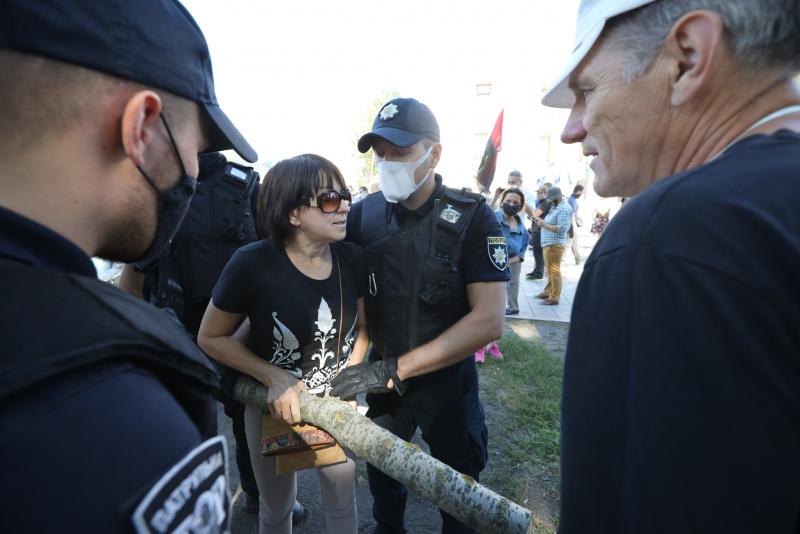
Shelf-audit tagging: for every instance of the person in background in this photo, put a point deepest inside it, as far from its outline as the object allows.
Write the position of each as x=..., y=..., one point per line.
x=105, y=406
x=301, y=290
x=542, y=209
x=681, y=393
x=363, y=192
x=512, y=202
x=572, y=235
x=602, y=214
x=554, y=227
x=514, y=180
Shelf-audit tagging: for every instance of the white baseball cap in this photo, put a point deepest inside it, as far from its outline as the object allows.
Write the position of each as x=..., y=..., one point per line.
x=592, y=17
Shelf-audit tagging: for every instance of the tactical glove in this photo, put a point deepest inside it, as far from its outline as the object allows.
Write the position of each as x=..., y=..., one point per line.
x=367, y=377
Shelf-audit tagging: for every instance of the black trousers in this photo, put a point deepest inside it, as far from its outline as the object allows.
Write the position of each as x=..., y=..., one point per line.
x=235, y=410
x=452, y=424
x=538, y=255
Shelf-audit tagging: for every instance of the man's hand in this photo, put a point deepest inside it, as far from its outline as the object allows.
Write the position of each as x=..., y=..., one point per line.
x=367, y=377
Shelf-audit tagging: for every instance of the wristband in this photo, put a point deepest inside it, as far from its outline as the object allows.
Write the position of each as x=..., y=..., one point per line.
x=391, y=366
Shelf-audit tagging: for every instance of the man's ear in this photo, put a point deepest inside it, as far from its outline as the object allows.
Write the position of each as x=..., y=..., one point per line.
x=693, y=45
x=140, y=119
x=436, y=154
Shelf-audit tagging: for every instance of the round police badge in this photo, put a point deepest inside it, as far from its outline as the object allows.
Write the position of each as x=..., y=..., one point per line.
x=449, y=214
x=498, y=252
x=389, y=111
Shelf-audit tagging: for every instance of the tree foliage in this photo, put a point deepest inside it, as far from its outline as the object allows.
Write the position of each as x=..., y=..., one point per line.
x=367, y=169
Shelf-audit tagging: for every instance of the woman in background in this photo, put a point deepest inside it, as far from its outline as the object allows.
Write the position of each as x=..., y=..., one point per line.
x=512, y=203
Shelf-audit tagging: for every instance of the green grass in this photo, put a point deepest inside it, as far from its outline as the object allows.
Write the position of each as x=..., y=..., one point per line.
x=522, y=393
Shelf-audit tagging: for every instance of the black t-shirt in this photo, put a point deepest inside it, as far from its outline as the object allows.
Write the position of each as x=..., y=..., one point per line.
x=545, y=206
x=681, y=399
x=295, y=321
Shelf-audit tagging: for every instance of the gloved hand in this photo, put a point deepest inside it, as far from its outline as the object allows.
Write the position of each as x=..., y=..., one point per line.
x=367, y=377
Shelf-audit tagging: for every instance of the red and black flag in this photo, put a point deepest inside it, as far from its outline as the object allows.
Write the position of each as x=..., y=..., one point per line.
x=489, y=159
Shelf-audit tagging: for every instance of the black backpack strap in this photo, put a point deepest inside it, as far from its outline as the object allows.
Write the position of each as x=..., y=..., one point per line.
x=373, y=218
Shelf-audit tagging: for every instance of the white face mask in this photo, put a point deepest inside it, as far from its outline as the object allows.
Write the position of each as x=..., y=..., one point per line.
x=397, y=177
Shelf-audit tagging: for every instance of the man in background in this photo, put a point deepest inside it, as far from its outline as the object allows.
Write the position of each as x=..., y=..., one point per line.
x=681, y=409
x=542, y=209
x=572, y=236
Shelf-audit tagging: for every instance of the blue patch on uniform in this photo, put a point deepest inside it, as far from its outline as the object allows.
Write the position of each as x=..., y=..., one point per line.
x=191, y=497
x=498, y=252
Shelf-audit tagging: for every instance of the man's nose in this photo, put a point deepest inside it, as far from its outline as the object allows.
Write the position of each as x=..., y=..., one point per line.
x=573, y=131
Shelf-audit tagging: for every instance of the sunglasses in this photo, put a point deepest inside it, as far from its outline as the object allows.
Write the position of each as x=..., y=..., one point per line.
x=329, y=201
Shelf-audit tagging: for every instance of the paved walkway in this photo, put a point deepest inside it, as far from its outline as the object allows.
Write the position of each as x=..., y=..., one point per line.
x=529, y=307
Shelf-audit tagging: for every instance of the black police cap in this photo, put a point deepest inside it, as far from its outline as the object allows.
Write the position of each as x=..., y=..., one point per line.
x=153, y=42
x=403, y=122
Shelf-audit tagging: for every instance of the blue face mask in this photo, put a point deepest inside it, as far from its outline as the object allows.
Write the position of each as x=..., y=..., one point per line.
x=172, y=204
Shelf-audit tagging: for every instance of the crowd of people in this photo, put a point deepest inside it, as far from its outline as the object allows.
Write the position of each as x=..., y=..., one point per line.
x=681, y=389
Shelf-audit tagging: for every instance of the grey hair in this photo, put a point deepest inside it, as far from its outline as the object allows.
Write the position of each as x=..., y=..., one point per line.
x=761, y=34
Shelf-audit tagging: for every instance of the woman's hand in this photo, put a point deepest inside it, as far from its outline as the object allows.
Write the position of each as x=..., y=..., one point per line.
x=284, y=395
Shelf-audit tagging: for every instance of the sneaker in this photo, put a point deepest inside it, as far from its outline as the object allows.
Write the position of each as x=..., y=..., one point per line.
x=298, y=512
x=509, y=311
x=480, y=355
x=495, y=352
x=536, y=277
x=250, y=504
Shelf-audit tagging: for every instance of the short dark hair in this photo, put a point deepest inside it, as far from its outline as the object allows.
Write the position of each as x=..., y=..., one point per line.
x=517, y=191
x=286, y=185
x=577, y=188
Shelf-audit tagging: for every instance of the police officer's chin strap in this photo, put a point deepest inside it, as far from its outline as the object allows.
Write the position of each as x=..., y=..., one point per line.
x=367, y=377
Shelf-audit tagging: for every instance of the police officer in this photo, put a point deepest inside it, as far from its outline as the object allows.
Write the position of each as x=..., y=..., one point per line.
x=436, y=261
x=107, y=410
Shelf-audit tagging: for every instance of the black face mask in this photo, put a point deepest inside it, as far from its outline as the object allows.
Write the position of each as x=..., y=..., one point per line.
x=172, y=204
x=510, y=210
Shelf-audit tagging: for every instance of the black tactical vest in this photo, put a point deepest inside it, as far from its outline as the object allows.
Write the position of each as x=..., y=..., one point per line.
x=54, y=322
x=415, y=273
x=219, y=221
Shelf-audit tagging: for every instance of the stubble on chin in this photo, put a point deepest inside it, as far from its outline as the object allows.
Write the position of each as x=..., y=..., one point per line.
x=132, y=230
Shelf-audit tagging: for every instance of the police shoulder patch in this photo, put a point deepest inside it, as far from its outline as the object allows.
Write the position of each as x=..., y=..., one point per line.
x=498, y=252
x=193, y=496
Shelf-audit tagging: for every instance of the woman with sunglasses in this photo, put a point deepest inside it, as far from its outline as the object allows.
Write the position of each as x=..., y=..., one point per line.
x=301, y=290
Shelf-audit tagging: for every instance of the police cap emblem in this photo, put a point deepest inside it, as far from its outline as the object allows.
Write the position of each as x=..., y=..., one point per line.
x=498, y=252
x=389, y=111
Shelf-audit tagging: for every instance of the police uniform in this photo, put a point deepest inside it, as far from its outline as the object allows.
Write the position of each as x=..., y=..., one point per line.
x=219, y=221
x=94, y=377
x=107, y=408
x=419, y=263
